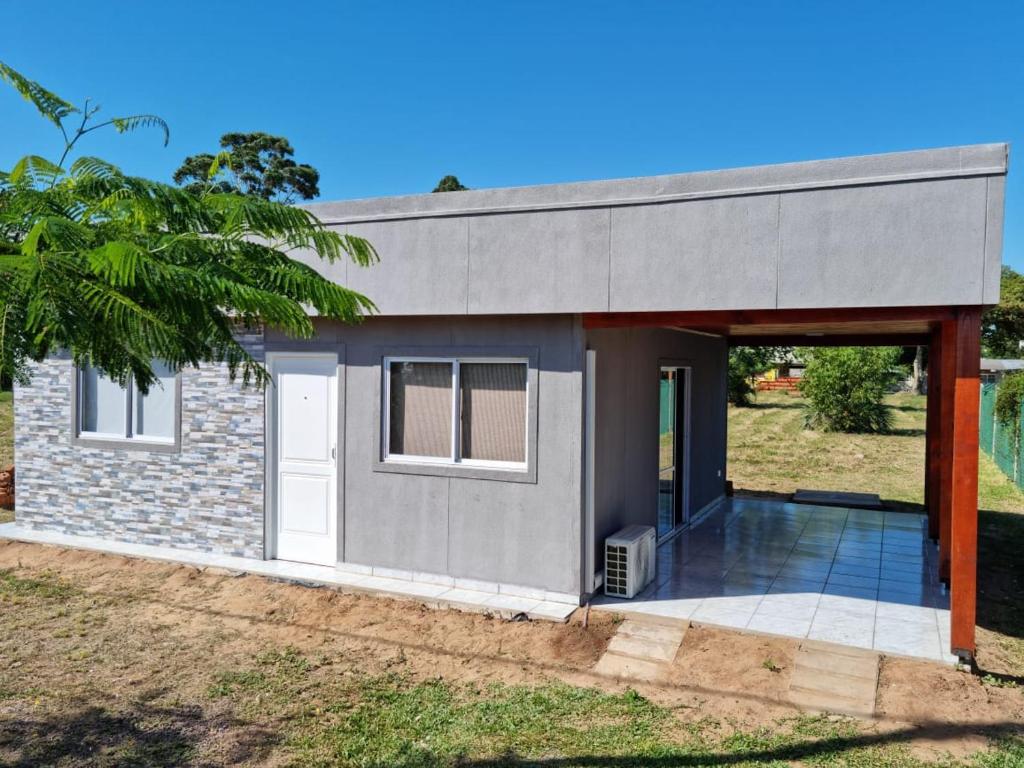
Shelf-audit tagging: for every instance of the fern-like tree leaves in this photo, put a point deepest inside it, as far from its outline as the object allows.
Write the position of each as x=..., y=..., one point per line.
x=134, y=122
x=119, y=271
x=50, y=105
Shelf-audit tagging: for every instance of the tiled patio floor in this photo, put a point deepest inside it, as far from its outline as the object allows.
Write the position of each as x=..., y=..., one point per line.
x=862, y=578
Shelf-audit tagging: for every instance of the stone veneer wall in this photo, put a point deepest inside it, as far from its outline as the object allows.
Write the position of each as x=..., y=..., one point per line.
x=208, y=497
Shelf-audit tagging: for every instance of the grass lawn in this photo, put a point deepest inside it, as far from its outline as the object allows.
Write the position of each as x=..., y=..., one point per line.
x=109, y=662
x=769, y=450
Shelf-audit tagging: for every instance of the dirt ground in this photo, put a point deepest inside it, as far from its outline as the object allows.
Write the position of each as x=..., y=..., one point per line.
x=149, y=639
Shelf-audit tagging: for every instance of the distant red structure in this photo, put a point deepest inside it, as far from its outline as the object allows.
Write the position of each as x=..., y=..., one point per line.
x=785, y=383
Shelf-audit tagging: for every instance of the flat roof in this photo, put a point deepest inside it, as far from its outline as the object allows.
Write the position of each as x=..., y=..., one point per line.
x=994, y=364
x=906, y=229
x=892, y=167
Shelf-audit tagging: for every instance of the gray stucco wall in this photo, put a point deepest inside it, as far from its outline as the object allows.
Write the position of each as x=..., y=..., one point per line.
x=905, y=229
x=626, y=447
x=522, y=533
x=208, y=496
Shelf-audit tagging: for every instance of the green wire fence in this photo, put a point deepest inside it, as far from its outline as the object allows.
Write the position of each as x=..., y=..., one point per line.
x=997, y=440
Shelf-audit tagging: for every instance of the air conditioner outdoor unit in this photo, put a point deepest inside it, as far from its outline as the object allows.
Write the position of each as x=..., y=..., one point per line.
x=629, y=560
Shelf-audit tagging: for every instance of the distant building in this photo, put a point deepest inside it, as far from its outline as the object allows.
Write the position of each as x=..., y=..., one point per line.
x=992, y=371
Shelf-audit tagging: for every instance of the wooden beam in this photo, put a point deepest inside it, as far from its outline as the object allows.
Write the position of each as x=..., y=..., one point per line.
x=718, y=318
x=964, y=554
x=832, y=340
x=933, y=432
x=947, y=376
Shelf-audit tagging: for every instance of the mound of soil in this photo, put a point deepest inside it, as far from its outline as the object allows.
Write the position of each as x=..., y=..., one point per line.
x=142, y=631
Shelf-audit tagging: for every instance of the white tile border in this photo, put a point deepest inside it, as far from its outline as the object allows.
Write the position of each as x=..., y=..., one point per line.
x=431, y=589
x=476, y=585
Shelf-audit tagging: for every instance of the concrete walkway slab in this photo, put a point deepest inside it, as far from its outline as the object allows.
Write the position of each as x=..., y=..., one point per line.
x=363, y=581
x=826, y=677
x=830, y=678
x=838, y=499
x=641, y=651
x=639, y=647
x=630, y=668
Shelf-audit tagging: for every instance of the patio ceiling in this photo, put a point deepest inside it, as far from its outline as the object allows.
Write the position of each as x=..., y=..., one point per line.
x=907, y=326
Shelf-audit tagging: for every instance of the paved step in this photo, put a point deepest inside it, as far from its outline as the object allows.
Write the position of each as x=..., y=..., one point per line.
x=662, y=633
x=641, y=651
x=832, y=678
x=614, y=665
x=838, y=499
x=847, y=686
x=863, y=665
x=642, y=648
x=829, y=702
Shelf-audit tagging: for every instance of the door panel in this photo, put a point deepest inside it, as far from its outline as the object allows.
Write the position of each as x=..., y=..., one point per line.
x=306, y=400
x=308, y=504
x=673, y=417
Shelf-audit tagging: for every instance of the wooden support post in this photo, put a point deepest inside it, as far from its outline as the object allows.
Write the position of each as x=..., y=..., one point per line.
x=933, y=435
x=964, y=552
x=947, y=388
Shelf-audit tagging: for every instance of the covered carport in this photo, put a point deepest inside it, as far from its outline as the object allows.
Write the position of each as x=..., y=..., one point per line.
x=900, y=249
x=952, y=335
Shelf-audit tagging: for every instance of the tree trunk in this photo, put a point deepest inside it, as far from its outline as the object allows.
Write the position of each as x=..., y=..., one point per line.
x=917, y=382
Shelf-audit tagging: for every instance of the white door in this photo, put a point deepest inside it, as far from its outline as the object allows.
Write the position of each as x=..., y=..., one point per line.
x=305, y=425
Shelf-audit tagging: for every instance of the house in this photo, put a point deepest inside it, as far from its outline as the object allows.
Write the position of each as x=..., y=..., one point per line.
x=785, y=374
x=504, y=411
x=994, y=370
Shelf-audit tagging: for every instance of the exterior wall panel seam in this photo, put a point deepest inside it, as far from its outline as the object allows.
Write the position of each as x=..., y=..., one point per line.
x=469, y=263
x=778, y=250
x=608, y=303
x=984, y=242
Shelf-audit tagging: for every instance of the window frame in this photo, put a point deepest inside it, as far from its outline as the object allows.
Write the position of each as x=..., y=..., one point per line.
x=479, y=469
x=455, y=431
x=128, y=441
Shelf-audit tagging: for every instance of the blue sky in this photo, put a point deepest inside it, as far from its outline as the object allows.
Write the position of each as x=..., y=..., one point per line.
x=386, y=97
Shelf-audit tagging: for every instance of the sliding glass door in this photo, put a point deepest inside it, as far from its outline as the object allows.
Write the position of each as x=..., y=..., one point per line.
x=672, y=425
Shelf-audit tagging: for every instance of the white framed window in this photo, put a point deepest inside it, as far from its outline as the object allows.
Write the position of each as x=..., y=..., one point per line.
x=456, y=411
x=106, y=411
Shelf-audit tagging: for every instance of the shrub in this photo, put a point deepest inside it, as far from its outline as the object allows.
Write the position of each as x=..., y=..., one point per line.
x=744, y=364
x=1009, y=399
x=845, y=387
